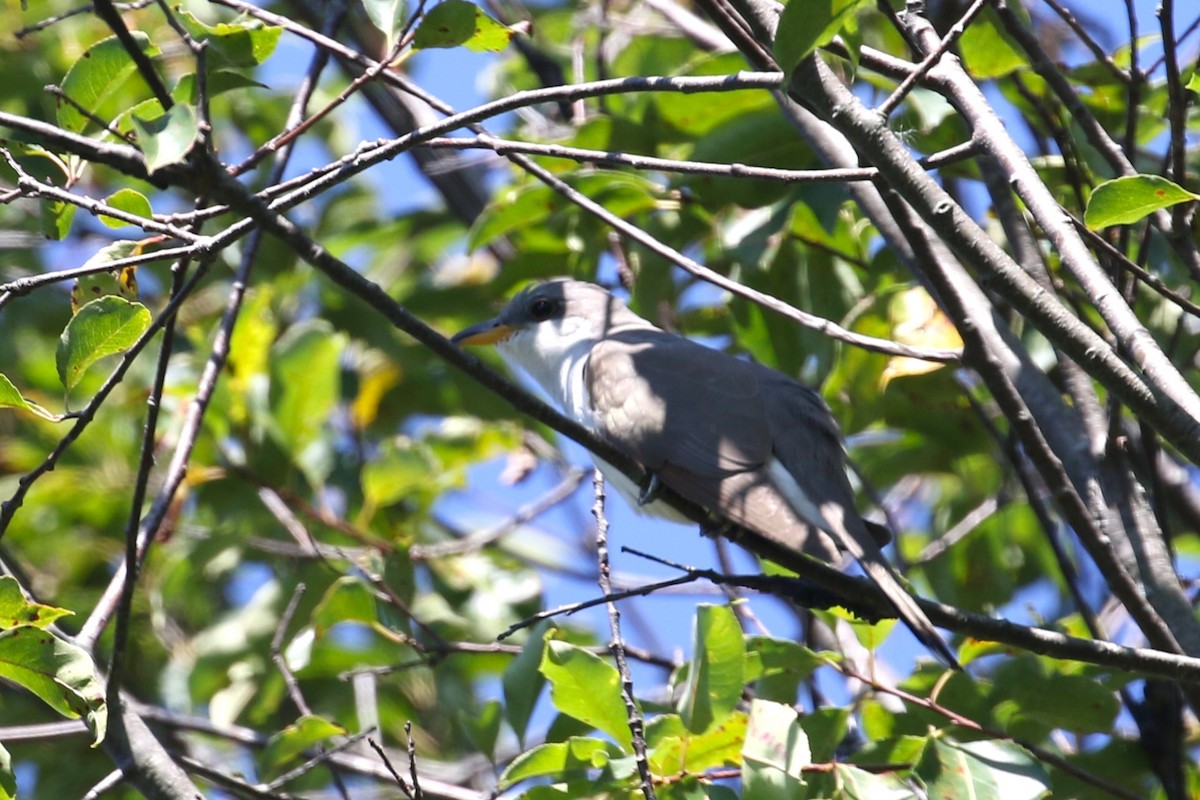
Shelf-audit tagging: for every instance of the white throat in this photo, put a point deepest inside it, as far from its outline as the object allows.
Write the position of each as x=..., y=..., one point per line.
x=554, y=353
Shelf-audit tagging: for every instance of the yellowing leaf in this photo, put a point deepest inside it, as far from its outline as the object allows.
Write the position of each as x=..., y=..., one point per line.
x=120, y=282
x=918, y=322
x=458, y=22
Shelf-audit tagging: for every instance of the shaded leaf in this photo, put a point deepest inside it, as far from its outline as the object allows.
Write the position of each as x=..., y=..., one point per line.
x=56, y=217
x=574, y=758
x=168, y=138
x=483, y=726
x=523, y=682
x=717, y=673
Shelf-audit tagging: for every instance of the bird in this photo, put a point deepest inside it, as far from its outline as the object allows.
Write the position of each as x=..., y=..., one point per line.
x=743, y=441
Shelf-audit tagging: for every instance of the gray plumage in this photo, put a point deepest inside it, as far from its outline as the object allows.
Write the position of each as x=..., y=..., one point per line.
x=730, y=435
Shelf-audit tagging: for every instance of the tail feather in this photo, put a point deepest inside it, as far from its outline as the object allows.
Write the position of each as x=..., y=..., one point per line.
x=834, y=515
x=906, y=606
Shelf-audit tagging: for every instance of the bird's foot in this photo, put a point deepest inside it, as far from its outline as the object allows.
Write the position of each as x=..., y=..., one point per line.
x=651, y=490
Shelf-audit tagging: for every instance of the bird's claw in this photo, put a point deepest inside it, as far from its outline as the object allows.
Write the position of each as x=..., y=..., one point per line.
x=650, y=491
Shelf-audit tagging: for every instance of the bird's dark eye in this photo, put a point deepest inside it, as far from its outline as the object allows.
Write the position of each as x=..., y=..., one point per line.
x=541, y=309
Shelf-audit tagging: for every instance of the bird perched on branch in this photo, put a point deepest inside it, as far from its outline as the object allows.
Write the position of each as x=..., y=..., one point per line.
x=741, y=440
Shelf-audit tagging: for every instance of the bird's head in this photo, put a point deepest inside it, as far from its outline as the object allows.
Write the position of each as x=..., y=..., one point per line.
x=549, y=329
x=550, y=323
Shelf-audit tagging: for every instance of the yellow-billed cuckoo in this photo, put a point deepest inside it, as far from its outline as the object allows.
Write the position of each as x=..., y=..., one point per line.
x=735, y=437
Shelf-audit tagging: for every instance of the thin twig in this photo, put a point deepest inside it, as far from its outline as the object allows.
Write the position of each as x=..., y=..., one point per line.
x=637, y=728
x=934, y=56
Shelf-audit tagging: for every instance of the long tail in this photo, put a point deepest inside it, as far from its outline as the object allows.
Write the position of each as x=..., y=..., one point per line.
x=862, y=546
x=841, y=521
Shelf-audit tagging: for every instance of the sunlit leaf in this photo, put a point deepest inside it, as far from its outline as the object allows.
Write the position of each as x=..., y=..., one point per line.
x=776, y=751
x=574, y=758
x=16, y=609
x=918, y=322
x=61, y=674
x=452, y=23
x=1126, y=200
x=97, y=75
x=103, y=327
x=290, y=743
x=244, y=42
x=130, y=201
x=989, y=770
x=8, y=781
x=986, y=49
x=121, y=282
x=387, y=16
x=586, y=688
x=805, y=25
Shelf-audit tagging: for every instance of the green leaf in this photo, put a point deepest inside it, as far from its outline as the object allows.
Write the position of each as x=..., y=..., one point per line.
x=348, y=599
x=986, y=49
x=1194, y=82
x=987, y=770
x=130, y=201
x=56, y=218
x=720, y=746
x=587, y=688
x=305, y=385
x=1122, y=201
x=523, y=682
x=564, y=761
x=8, y=781
x=717, y=675
x=858, y=784
x=387, y=16
x=245, y=42
x=58, y=672
x=826, y=729
x=777, y=666
x=458, y=22
x=805, y=25
x=775, y=752
x=168, y=138
x=483, y=726
x=96, y=76
x=16, y=610
x=289, y=744
x=401, y=468
x=121, y=282
x=218, y=82
x=103, y=327
x=9, y=396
